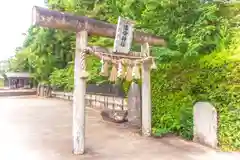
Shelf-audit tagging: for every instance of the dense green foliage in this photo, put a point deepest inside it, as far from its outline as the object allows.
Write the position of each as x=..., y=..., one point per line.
x=178, y=85
x=1, y=83
x=200, y=62
x=180, y=82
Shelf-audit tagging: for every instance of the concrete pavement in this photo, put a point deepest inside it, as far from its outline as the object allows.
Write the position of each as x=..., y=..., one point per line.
x=40, y=129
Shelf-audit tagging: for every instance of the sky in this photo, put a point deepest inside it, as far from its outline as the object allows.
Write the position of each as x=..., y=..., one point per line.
x=16, y=17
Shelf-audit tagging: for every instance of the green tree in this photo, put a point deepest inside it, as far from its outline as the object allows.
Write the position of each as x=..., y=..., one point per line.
x=193, y=30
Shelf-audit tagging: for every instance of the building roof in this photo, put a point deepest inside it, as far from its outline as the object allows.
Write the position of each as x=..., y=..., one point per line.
x=18, y=74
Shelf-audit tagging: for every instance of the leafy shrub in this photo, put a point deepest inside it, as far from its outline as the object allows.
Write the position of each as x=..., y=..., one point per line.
x=63, y=79
x=178, y=85
x=1, y=83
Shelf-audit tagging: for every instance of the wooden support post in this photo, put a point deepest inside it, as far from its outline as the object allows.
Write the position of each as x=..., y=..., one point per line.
x=146, y=95
x=79, y=95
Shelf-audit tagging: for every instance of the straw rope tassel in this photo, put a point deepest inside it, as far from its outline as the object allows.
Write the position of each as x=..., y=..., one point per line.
x=113, y=75
x=133, y=71
x=102, y=69
x=153, y=66
x=129, y=76
x=105, y=69
x=123, y=72
x=136, y=72
x=119, y=72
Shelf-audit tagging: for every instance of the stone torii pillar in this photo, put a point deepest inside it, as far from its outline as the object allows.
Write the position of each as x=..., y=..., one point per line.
x=84, y=26
x=146, y=94
x=78, y=129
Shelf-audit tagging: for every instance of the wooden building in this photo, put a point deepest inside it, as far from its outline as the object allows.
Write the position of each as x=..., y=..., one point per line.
x=14, y=80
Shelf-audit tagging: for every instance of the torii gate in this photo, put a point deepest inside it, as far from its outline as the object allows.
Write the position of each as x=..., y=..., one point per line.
x=84, y=26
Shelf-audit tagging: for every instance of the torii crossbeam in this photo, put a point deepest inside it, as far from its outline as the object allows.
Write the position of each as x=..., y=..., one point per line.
x=84, y=26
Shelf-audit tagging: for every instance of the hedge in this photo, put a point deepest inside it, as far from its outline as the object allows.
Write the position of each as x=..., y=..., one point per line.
x=178, y=85
x=1, y=83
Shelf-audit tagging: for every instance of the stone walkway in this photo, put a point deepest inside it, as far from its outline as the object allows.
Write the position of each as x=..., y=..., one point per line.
x=40, y=129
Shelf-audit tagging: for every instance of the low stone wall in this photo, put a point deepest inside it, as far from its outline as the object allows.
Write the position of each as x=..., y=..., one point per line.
x=204, y=115
x=97, y=101
x=17, y=92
